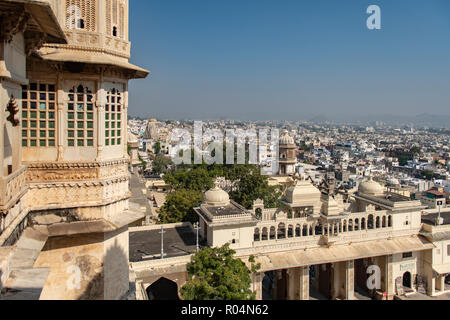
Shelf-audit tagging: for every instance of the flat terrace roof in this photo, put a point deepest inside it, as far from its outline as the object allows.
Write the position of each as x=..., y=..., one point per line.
x=431, y=218
x=229, y=210
x=146, y=244
x=395, y=197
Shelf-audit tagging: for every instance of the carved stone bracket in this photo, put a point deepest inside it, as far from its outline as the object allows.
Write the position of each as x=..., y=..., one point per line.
x=13, y=22
x=13, y=110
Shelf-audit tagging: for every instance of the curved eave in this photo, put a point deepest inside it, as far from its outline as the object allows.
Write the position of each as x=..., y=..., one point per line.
x=58, y=55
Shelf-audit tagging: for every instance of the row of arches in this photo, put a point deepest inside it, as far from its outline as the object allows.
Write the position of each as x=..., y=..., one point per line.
x=281, y=232
x=308, y=230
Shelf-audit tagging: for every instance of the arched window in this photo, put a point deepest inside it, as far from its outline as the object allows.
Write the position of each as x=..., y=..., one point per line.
x=81, y=14
x=265, y=235
x=298, y=231
x=257, y=235
x=272, y=233
x=281, y=231
x=113, y=118
x=384, y=222
x=305, y=230
x=350, y=225
x=370, y=223
x=39, y=115
x=378, y=222
x=356, y=224
x=115, y=19
x=80, y=117
x=390, y=221
x=290, y=231
x=345, y=226
x=363, y=224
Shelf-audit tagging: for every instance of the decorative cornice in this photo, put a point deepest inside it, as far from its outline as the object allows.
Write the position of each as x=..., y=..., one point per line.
x=76, y=165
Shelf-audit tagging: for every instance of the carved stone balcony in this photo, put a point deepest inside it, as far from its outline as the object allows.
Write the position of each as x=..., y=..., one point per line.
x=95, y=43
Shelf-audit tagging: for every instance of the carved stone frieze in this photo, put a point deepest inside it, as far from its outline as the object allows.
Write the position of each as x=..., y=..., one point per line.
x=61, y=172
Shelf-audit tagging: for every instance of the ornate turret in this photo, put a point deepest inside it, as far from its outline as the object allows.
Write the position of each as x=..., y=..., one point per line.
x=97, y=33
x=287, y=154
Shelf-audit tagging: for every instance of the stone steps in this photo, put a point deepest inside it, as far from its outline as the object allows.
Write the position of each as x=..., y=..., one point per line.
x=25, y=282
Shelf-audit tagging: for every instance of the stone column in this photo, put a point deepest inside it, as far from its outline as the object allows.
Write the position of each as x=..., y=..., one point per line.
x=349, y=280
x=257, y=285
x=343, y=280
x=100, y=103
x=275, y=285
x=335, y=280
x=303, y=280
x=61, y=119
x=389, y=278
x=291, y=274
x=124, y=120
x=298, y=284
x=440, y=283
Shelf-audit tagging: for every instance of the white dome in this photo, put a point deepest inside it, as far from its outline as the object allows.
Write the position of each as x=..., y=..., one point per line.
x=216, y=197
x=286, y=139
x=370, y=187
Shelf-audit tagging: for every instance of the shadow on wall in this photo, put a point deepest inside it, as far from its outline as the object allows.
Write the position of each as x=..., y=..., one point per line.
x=108, y=280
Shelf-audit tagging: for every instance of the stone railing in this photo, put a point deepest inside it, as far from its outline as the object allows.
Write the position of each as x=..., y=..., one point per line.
x=11, y=186
x=353, y=226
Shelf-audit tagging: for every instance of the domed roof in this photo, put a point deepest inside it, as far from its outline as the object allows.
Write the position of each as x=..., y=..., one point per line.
x=216, y=197
x=370, y=187
x=286, y=139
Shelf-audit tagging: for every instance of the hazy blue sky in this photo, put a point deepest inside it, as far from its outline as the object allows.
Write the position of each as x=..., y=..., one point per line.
x=289, y=59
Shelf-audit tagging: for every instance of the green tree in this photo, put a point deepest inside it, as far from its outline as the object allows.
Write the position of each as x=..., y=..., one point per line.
x=403, y=160
x=251, y=186
x=161, y=165
x=143, y=163
x=198, y=179
x=179, y=207
x=415, y=150
x=428, y=174
x=157, y=147
x=217, y=275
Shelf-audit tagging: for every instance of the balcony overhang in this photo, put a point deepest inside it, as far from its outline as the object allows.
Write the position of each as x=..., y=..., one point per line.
x=64, y=55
